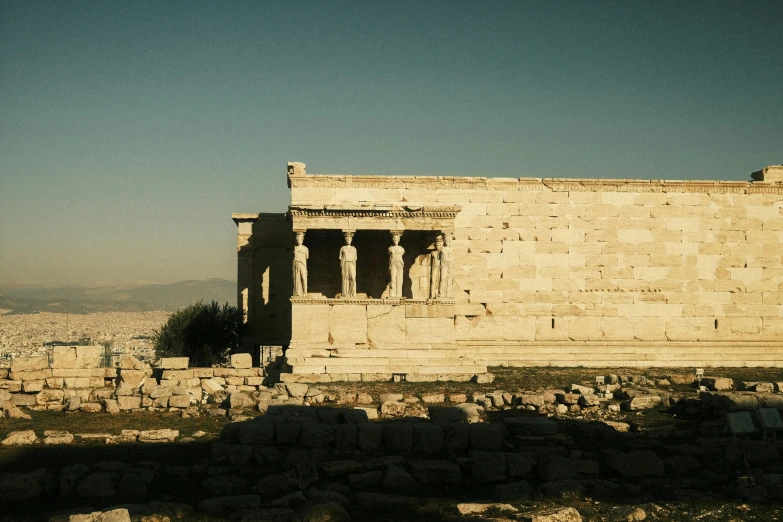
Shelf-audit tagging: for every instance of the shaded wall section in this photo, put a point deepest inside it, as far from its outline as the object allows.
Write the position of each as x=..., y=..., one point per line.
x=264, y=256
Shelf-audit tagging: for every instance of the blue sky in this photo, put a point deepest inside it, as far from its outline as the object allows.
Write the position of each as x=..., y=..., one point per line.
x=130, y=131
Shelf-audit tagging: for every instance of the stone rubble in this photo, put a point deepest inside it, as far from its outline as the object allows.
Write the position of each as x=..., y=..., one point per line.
x=391, y=449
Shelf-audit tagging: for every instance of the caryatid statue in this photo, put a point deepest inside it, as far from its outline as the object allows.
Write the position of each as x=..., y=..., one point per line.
x=301, y=254
x=396, y=265
x=435, y=268
x=348, y=266
x=446, y=267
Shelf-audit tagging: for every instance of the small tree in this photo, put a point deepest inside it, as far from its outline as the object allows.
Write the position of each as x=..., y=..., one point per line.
x=207, y=334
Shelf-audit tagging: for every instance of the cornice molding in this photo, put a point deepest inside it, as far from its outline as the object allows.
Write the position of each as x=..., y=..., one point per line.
x=448, y=212
x=369, y=301
x=553, y=184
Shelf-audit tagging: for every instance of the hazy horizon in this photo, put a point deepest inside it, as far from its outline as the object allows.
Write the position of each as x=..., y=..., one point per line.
x=132, y=130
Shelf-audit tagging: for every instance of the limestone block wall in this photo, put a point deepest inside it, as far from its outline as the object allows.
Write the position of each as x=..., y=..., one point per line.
x=585, y=272
x=73, y=380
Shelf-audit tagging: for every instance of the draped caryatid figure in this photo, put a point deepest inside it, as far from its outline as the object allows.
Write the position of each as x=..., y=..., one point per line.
x=348, y=266
x=446, y=268
x=396, y=266
x=301, y=254
x=435, y=268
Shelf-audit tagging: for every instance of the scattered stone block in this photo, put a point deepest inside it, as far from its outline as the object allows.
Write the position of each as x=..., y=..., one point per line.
x=161, y=435
x=211, y=386
x=560, y=514
x=531, y=399
x=295, y=389
x=182, y=401
x=173, y=363
x=761, y=387
x=97, y=485
x=433, y=398
x=22, y=486
x=477, y=509
x=129, y=362
x=485, y=378
x=427, y=438
x=397, y=480
x=11, y=385
x=436, y=471
x=589, y=400
x=90, y=407
x=127, y=402
x=642, y=402
x=471, y=412
x=364, y=398
x=488, y=466
x=619, y=427
x=77, y=382
x=680, y=465
x=485, y=436
x=517, y=465
x=278, y=484
x=57, y=437
x=317, y=435
x=23, y=399
x=370, y=437
x=393, y=408
x=133, y=378
x=18, y=438
x=637, y=464
x=563, y=468
x=26, y=364
x=582, y=390
x=241, y=360
x=627, y=514
x=12, y=412
x=530, y=425
x=33, y=386
x=48, y=395
x=241, y=400
x=398, y=437
x=371, y=413
x=717, y=383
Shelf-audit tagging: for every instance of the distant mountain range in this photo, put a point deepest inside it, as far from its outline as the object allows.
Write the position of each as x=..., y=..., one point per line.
x=116, y=298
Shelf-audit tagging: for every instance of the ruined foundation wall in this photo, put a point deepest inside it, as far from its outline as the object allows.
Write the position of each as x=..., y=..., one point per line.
x=573, y=272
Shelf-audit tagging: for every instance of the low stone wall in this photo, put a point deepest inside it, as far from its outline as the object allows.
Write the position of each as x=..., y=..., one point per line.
x=74, y=382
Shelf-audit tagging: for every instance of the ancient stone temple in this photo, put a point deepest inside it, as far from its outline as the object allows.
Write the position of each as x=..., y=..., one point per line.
x=425, y=278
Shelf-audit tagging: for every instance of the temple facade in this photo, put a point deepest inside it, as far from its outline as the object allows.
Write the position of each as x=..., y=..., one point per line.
x=437, y=278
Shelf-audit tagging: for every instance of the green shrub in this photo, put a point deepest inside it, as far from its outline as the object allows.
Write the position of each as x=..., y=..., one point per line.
x=207, y=334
